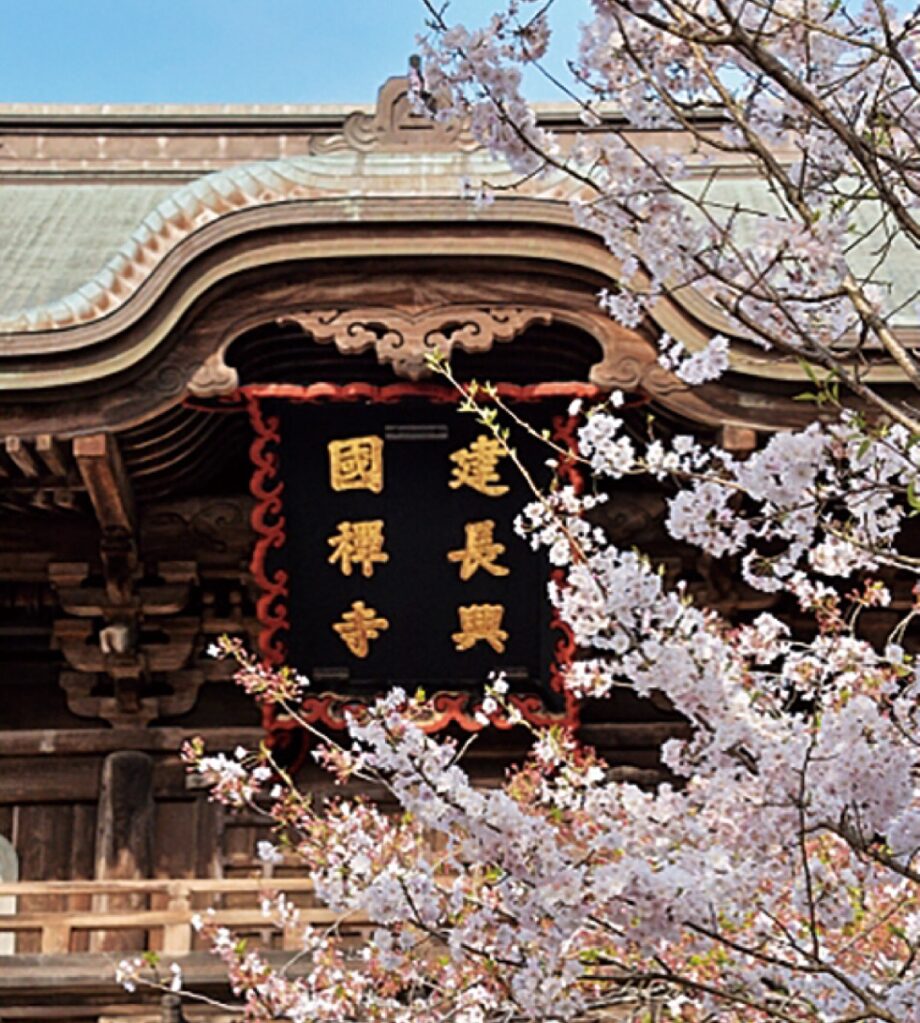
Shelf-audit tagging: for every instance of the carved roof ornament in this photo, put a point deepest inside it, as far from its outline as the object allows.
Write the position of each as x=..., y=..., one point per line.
x=405, y=338
x=396, y=124
x=213, y=378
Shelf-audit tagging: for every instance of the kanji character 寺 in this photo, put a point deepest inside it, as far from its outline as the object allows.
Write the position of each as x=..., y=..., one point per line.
x=359, y=626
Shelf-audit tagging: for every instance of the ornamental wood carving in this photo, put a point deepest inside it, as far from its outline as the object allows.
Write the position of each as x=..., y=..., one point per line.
x=406, y=338
x=213, y=378
x=395, y=124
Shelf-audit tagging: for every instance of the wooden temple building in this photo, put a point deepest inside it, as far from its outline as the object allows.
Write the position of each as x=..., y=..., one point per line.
x=212, y=322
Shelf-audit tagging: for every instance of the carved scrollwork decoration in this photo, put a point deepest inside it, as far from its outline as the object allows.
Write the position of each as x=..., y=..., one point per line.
x=405, y=338
x=630, y=363
x=213, y=378
x=396, y=125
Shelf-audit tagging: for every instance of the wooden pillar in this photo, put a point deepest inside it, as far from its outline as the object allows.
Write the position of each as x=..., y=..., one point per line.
x=124, y=841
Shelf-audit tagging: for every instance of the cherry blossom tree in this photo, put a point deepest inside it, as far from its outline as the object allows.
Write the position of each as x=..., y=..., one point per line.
x=818, y=100
x=776, y=876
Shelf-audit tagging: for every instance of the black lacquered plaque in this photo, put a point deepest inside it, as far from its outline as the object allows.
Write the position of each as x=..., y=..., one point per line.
x=400, y=558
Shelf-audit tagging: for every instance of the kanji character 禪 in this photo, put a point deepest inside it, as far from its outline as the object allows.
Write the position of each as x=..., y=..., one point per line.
x=480, y=551
x=476, y=467
x=358, y=543
x=481, y=622
x=359, y=626
x=356, y=463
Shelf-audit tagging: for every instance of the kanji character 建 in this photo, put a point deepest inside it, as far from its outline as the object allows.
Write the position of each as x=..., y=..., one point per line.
x=476, y=467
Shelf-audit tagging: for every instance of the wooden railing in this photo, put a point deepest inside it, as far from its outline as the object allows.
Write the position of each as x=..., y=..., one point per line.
x=157, y=913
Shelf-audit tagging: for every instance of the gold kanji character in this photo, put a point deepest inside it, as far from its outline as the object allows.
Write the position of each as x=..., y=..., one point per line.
x=481, y=622
x=356, y=463
x=358, y=543
x=476, y=467
x=359, y=626
x=480, y=551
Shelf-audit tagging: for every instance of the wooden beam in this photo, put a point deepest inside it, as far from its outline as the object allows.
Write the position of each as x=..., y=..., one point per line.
x=46, y=980
x=64, y=497
x=49, y=779
x=633, y=736
x=103, y=472
x=125, y=817
x=56, y=742
x=20, y=455
x=128, y=919
x=93, y=1012
x=75, y=779
x=52, y=454
x=187, y=886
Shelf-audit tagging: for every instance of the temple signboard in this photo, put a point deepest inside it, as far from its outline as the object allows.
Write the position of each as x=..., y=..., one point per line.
x=388, y=554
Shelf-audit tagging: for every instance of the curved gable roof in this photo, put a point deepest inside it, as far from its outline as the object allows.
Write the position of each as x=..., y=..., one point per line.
x=76, y=254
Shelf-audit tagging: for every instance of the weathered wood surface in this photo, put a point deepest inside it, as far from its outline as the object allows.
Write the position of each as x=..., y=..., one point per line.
x=69, y=779
x=124, y=841
x=104, y=1012
x=63, y=742
x=44, y=836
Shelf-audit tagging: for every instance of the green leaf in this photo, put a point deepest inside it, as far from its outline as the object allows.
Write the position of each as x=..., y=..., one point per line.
x=808, y=370
x=913, y=499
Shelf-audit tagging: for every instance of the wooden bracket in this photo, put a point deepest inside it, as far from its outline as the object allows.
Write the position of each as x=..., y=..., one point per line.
x=737, y=439
x=52, y=454
x=99, y=462
x=103, y=472
x=18, y=452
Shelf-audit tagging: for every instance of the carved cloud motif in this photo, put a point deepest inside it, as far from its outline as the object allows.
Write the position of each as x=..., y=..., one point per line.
x=406, y=338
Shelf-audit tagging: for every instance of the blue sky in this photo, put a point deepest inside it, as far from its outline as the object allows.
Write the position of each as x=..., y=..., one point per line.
x=220, y=51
